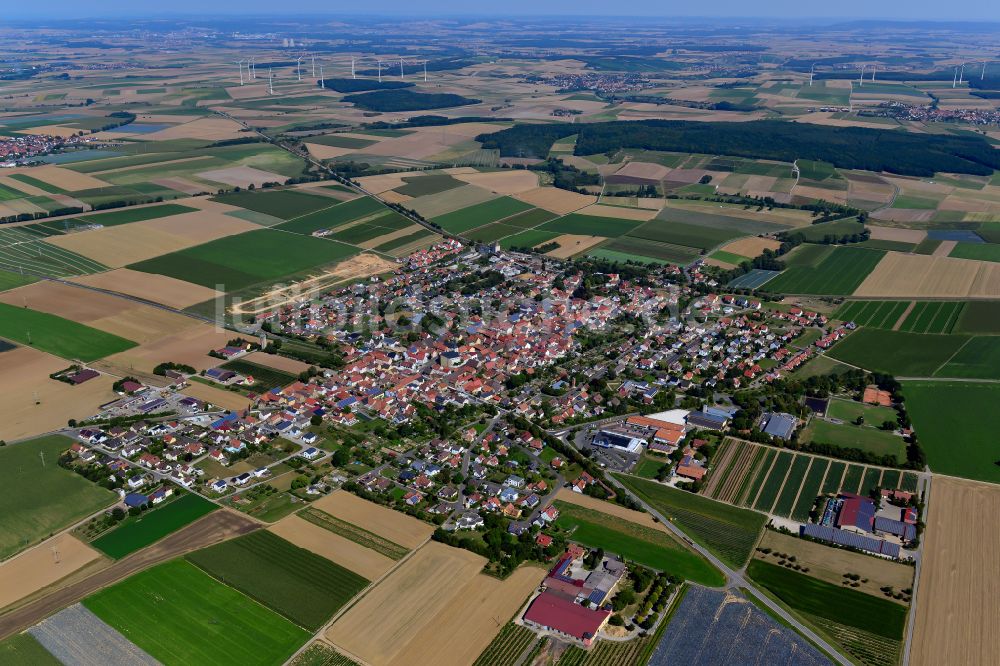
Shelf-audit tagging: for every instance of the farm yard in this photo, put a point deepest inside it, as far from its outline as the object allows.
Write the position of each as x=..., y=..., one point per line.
x=729, y=532
x=300, y=585
x=176, y=597
x=40, y=496
x=785, y=483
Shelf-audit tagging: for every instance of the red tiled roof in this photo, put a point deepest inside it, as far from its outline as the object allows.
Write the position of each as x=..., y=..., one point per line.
x=552, y=611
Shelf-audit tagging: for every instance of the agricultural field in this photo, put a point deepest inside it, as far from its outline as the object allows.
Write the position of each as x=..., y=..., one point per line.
x=980, y=317
x=727, y=531
x=873, y=314
x=25, y=650
x=309, y=534
x=138, y=214
x=830, y=564
x=440, y=587
x=868, y=437
x=838, y=272
x=868, y=627
x=36, y=569
x=386, y=523
x=254, y=258
x=282, y=204
x=785, y=483
x=939, y=409
x=730, y=628
x=321, y=654
x=334, y=216
x=354, y=533
x=507, y=647
x=298, y=584
x=897, y=353
x=651, y=547
x=58, y=336
x=41, y=497
x=176, y=597
x=481, y=214
x=956, y=592
x=153, y=525
x=901, y=275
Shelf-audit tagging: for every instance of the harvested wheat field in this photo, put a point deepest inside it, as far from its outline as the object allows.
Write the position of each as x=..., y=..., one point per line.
x=571, y=244
x=219, y=397
x=130, y=243
x=391, y=236
x=151, y=287
x=751, y=247
x=392, y=525
x=120, y=316
x=469, y=621
x=820, y=193
x=322, y=152
x=43, y=565
x=394, y=197
x=242, y=176
x=64, y=178
x=510, y=181
x=24, y=380
x=382, y=182
x=555, y=200
x=921, y=276
x=440, y=587
x=620, y=212
x=210, y=129
x=323, y=542
x=190, y=347
x=277, y=362
x=900, y=235
x=645, y=171
x=958, y=594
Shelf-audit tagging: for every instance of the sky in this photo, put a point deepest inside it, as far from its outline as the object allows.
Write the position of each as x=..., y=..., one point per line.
x=969, y=10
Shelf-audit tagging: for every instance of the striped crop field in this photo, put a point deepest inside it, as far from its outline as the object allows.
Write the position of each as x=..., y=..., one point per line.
x=786, y=484
x=933, y=317
x=874, y=314
x=25, y=248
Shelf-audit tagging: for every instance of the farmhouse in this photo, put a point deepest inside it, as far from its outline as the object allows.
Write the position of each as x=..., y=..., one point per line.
x=553, y=612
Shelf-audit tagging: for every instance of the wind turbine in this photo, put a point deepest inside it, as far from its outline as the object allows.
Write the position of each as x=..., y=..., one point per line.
x=961, y=74
x=425, y=71
x=353, y=75
x=812, y=70
x=252, y=69
x=873, y=72
x=861, y=80
x=321, y=83
x=401, y=69
x=954, y=79
x=240, y=64
x=298, y=67
x=314, y=66
x=270, y=83
x=380, y=71
x=982, y=74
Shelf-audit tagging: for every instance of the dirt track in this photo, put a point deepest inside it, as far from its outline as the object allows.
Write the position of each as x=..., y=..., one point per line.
x=217, y=526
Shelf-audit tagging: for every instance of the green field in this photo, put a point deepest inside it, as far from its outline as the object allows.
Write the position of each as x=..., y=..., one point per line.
x=786, y=499
x=933, y=317
x=939, y=410
x=643, y=249
x=334, y=216
x=529, y=238
x=820, y=599
x=40, y=184
x=58, y=336
x=590, y=225
x=637, y=543
x=284, y=204
x=839, y=273
x=852, y=479
x=321, y=654
x=979, y=317
x=981, y=251
x=867, y=438
x=897, y=353
x=849, y=410
x=25, y=650
x=419, y=186
x=372, y=229
x=682, y=233
x=807, y=254
x=244, y=260
x=181, y=615
x=810, y=489
x=769, y=491
x=302, y=586
x=153, y=525
x=874, y=314
x=40, y=497
x=508, y=646
x=12, y=280
x=269, y=377
x=624, y=257
x=137, y=214
x=979, y=358
x=529, y=219
x=729, y=532
x=480, y=214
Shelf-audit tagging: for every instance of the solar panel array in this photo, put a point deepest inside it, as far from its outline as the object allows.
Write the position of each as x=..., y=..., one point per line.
x=852, y=539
